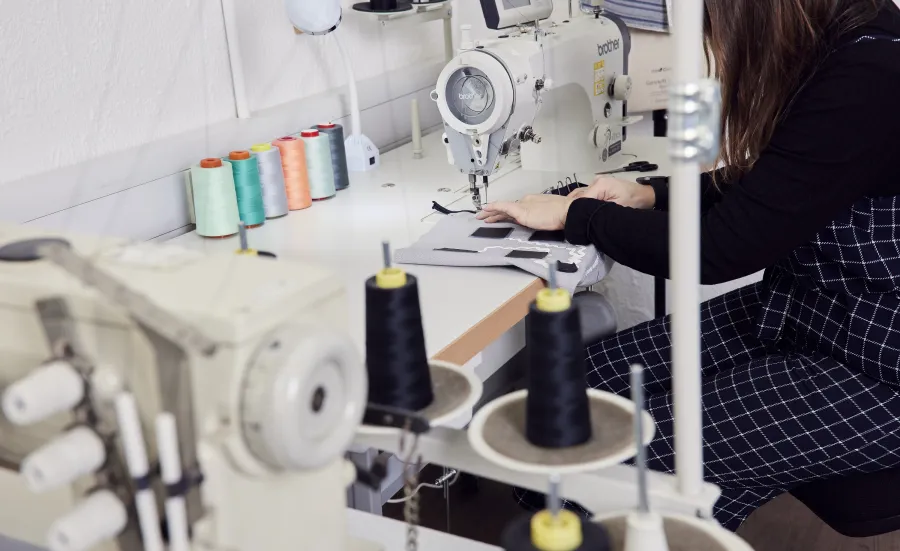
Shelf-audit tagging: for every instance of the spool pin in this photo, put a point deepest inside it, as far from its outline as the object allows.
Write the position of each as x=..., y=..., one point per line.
x=245, y=249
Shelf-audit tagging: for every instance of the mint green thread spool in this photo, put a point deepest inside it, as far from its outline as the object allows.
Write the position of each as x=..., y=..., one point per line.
x=248, y=188
x=318, y=165
x=215, y=199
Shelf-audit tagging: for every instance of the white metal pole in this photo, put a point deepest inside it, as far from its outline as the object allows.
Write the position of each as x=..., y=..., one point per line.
x=684, y=252
x=355, y=126
x=416, y=123
x=234, y=57
x=449, y=52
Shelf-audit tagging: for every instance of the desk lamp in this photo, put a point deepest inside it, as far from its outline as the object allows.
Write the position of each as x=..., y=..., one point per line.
x=320, y=17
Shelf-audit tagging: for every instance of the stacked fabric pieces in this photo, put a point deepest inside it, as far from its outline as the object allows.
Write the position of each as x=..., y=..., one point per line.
x=461, y=240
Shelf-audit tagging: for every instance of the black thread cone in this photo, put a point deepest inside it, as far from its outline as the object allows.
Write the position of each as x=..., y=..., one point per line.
x=557, y=413
x=395, y=347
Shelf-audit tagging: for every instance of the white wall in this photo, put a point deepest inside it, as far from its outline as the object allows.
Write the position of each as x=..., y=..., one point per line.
x=105, y=103
x=82, y=79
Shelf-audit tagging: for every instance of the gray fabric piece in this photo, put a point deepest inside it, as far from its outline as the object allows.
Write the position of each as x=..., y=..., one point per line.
x=455, y=232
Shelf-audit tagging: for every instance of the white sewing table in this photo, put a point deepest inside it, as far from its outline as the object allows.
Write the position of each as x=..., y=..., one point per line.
x=464, y=310
x=471, y=316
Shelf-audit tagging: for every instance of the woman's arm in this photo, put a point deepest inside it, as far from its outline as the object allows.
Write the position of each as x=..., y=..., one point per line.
x=838, y=142
x=711, y=191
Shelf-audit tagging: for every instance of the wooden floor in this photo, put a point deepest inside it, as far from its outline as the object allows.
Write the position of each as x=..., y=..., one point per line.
x=782, y=525
x=785, y=524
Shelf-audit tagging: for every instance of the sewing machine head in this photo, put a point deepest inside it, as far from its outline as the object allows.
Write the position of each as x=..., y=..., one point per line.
x=554, y=92
x=247, y=353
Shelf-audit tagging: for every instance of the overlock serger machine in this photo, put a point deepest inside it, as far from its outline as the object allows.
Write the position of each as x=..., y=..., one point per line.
x=553, y=91
x=209, y=391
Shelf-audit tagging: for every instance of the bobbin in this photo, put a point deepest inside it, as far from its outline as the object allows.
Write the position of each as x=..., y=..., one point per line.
x=456, y=391
x=497, y=433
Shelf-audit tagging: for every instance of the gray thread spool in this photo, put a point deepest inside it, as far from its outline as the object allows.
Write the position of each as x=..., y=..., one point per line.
x=335, y=133
x=271, y=176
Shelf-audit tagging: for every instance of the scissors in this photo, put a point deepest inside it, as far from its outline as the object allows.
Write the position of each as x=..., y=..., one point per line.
x=637, y=166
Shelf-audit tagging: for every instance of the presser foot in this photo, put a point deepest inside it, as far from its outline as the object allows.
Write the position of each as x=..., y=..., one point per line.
x=476, y=200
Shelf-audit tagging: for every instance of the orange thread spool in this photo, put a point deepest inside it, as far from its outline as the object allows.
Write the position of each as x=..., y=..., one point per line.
x=296, y=177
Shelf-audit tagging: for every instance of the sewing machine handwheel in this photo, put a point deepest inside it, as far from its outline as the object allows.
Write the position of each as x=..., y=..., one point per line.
x=303, y=397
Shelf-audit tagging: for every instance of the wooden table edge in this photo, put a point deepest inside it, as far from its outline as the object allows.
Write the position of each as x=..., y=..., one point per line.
x=491, y=327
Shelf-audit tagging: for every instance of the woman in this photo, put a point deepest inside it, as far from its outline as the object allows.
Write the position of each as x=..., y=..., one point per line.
x=801, y=372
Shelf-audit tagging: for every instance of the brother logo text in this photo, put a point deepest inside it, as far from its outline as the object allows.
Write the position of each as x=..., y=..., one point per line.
x=609, y=47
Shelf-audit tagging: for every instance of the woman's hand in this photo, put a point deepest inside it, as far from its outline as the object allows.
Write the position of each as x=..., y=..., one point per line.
x=622, y=192
x=539, y=212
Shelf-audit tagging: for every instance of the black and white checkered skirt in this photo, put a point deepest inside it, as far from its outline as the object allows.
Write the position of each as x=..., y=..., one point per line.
x=777, y=412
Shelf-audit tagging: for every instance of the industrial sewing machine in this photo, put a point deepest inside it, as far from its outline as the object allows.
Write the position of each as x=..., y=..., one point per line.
x=554, y=92
x=248, y=355
x=270, y=343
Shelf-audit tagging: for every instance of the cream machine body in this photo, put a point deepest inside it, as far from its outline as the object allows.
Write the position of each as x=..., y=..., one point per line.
x=230, y=370
x=554, y=92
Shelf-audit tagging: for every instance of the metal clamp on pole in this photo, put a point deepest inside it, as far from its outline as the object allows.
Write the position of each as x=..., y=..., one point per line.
x=695, y=121
x=694, y=110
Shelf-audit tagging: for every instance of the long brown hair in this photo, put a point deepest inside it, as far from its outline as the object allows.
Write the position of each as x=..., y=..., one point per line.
x=763, y=51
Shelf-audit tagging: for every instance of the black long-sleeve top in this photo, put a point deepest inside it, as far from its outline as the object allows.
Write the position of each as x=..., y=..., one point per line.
x=839, y=142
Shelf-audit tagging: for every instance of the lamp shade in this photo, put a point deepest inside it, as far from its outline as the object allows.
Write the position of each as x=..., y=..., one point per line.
x=314, y=16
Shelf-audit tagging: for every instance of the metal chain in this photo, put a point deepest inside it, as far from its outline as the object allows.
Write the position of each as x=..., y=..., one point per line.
x=411, y=468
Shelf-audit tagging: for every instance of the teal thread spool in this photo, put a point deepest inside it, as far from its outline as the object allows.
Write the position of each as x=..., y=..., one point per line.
x=248, y=188
x=215, y=198
x=318, y=165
